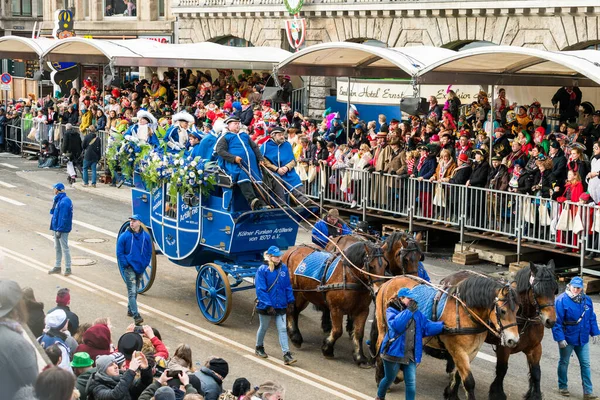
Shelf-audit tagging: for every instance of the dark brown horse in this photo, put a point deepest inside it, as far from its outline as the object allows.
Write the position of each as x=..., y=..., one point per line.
x=485, y=299
x=536, y=286
x=402, y=251
x=348, y=291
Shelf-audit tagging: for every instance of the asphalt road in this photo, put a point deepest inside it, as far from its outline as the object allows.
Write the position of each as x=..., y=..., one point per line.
x=170, y=306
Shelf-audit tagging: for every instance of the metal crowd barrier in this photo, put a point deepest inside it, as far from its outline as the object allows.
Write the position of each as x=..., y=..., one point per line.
x=570, y=227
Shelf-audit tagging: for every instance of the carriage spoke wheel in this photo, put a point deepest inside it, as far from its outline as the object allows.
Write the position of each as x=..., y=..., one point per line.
x=149, y=273
x=213, y=293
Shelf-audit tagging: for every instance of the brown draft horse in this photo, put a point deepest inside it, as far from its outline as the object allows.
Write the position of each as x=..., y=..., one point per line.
x=349, y=291
x=402, y=251
x=536, y=286
x=484, y=297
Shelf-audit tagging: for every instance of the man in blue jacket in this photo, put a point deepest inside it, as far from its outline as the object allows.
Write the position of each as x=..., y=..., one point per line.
x=575, y=323
x=134, y=252
x=61, y=223
x=402, y=346
x=329, y=228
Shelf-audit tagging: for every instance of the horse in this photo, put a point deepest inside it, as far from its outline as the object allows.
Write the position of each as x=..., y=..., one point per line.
x=347, y=291
x=484, y=299
x=402, y=254
x=402, y=251
x=536, y=286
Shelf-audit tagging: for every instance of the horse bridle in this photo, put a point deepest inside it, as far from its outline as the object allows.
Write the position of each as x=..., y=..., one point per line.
x=538, y=307
x=377, y=254
x=411, y=246
x=497, y=310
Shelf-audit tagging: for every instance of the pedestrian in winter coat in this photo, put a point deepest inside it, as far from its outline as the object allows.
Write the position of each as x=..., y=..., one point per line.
x=559, y=163
x=462, y=173
x=96, y=341
x=82, y=368
x=402, y=345
x=163, y=387
x=92, y=152
x=274, y=293
x=61, y=223
x=211, y=377
x=35, y=312
x=17, y=355
x=56, y=333
x=575, y=323
x=134, y=253
x=108, y=384
x=63, y=302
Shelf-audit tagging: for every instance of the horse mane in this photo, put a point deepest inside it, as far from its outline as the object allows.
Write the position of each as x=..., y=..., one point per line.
x=357, y=252
x=394, y=237
x=480, y=292
x=545, y=281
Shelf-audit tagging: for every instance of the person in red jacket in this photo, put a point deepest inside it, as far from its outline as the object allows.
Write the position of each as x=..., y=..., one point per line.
x=573, y=190
x=96, y=342
x=128, y=346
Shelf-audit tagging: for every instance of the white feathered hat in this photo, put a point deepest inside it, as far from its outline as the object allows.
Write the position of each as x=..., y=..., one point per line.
x=145, y=114
x=183, y=116
x=218, y=126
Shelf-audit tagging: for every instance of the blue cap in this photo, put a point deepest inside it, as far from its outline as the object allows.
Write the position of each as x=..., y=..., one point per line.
x=59, y=186
x=406, y=292
x=136, y=216
x=274, y=251
x=358, y=126
x=576, y=282
x=196, y=134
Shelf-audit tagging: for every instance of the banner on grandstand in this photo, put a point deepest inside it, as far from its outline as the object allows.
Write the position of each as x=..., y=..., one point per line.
x=391, y=92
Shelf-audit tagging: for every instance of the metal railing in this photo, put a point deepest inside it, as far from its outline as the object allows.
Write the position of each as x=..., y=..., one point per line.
x=242, y=3
x=569, y=227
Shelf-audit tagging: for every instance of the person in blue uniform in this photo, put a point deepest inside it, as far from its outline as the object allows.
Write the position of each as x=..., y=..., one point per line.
x=274, y=294
x=279, y=158
x=177, y=136
x=134, y=253
x=207, y=145
x=238, y=156
x=193, y=150
x=575, y=323
x=145, y=129
x=402, y=346
x=329, y=228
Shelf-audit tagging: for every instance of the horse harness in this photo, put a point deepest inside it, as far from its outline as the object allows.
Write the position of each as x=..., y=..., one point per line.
x=412, y=246
x=538, y=310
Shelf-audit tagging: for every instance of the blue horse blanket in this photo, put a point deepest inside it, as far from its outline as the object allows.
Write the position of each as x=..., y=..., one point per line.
x=313, y=266
x=424, y=296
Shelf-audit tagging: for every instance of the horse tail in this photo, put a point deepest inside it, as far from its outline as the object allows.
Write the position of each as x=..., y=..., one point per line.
x=373, y=337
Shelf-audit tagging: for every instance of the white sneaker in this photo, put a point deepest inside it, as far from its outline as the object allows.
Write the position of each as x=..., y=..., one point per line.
x=353, y=205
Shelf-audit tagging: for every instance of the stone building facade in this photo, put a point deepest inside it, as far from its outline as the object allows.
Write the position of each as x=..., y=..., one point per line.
x=549, y=24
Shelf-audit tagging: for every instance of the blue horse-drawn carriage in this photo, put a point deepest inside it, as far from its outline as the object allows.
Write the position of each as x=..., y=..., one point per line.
x=217, y=234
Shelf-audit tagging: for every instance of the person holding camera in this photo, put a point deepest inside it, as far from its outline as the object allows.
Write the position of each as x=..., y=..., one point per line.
x=108, y=383
x=274, y=297
x=402, y=346
x=171, y=384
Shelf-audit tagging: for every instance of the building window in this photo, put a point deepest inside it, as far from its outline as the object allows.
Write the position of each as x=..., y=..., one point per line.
x=161, y=8
x=86, y=8
x=234, y=42
x=21, y=8
x=120, y=8
x=40, y=8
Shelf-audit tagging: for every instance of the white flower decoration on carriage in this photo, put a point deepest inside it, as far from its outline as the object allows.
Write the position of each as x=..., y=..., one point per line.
x=192, y=174
x=193, y=163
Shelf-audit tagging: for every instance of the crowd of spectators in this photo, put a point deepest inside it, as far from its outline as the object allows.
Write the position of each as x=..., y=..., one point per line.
x=91, y=364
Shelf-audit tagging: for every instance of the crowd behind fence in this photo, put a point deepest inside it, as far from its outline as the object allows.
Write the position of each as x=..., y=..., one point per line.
x=569, y=227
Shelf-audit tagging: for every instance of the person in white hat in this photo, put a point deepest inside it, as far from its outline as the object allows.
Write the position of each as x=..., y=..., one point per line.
x=178, y=135
x=239, y=156
x=56, y=332
x=145, y=129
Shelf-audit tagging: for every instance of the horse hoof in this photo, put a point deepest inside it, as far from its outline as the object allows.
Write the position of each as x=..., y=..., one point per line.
x=297, y=344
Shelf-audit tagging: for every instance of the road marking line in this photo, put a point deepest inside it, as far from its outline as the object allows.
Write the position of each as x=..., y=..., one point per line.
x=93, y=228
x=9, y=165
x=289, y=371
x=486, y=357
x=193, y=333
x=78, y=247
x=11, y=201
x=310, y=377
x=64, y=278
x=8, y=185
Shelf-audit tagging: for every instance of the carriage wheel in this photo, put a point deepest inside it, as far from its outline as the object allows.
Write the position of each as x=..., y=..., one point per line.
x=150, y=272
x=213, y=293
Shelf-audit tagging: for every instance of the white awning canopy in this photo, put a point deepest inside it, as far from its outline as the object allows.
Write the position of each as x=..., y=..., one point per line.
x=517, y=66
x=16, y=47
x=355, y=60
x=148, y=53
